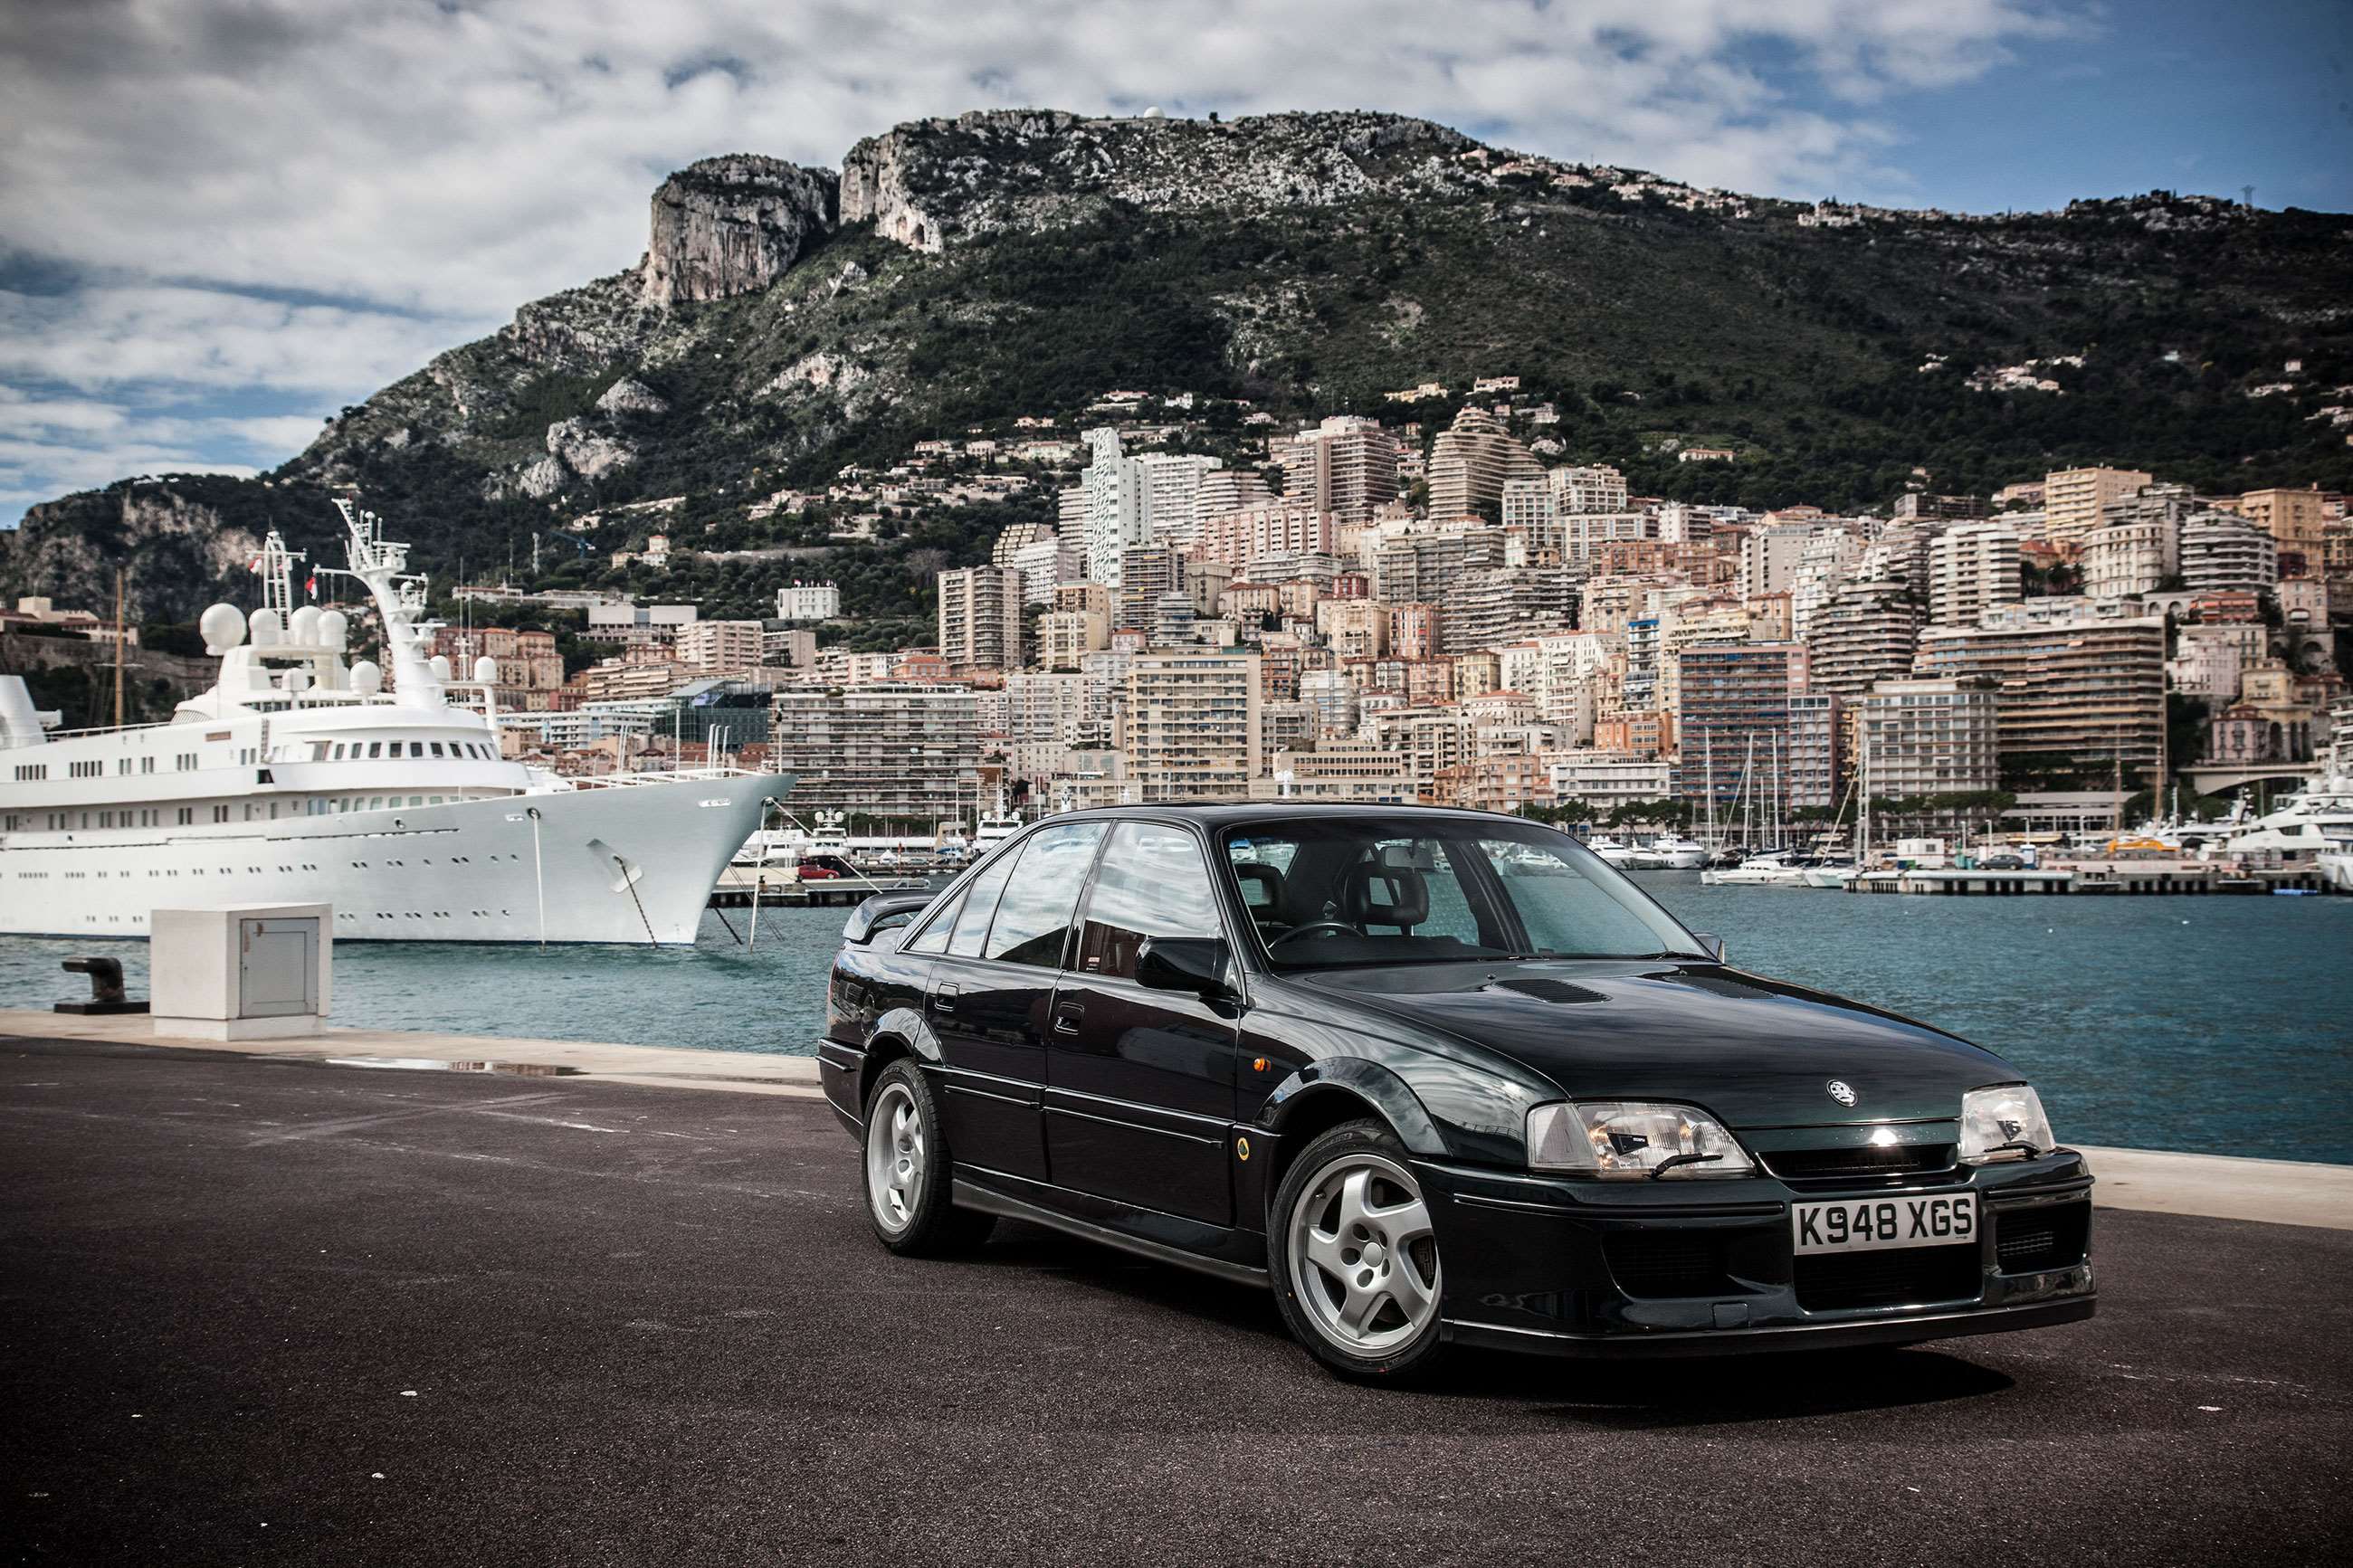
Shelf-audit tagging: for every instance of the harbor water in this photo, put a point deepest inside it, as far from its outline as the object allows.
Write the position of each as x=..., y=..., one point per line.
x=2217, y=1025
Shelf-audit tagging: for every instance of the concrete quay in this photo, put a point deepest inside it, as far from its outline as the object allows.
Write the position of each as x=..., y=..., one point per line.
x=261, y=1309
x=2280, y=1192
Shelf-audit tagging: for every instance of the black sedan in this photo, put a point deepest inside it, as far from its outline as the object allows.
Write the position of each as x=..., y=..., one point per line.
x=1436, y=1076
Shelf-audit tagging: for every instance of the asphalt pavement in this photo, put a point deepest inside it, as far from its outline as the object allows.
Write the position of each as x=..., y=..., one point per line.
x=256, y=1311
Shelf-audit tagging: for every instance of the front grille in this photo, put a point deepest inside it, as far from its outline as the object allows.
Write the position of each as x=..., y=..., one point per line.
x=1901, y=1276
x=1863, y=1161
x=2052, y=1236
x=1668, y=1262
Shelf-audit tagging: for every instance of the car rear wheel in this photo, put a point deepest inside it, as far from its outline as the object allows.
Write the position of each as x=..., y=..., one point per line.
x=908, y=1176
x=1357, y=1256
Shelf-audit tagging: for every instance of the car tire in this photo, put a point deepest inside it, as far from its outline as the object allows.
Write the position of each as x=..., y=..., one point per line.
x=906, y=1173
x=1354, y=1257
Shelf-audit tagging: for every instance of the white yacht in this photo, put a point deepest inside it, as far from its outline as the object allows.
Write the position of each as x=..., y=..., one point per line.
x=1619, y=855
x=2317, y=820
x=1671, y=852
x=299, y=779
x=1772, y=869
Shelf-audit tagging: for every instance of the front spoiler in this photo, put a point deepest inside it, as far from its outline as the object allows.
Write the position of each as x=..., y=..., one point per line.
x=1845, y=1335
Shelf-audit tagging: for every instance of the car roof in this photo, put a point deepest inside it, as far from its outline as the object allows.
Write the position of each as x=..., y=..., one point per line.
x=1219, y=813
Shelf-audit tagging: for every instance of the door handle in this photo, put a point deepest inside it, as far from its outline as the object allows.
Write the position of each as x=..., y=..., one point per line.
x=1068, y=1018
x=944, y=998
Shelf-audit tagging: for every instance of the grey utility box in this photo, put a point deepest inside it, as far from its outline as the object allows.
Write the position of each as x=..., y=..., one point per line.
x=242, y=972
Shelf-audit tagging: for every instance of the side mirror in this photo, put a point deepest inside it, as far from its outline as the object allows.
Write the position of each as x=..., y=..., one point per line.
x=1194, y=964
x=1711, y=942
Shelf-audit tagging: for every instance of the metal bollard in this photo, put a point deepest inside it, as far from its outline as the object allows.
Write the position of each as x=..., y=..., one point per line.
x=105, y=987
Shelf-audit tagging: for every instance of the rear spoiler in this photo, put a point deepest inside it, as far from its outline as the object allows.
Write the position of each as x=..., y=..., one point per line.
x=883, y=911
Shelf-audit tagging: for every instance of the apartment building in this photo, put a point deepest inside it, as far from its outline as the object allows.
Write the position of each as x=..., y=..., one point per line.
x=903, y=753
x=2073, y=501
x=1769, y=556
x=1066, y=637
x=1274, y=527
x=1191, y=725
x=1147, y=574
x=715, y=645
x=1347, y=466
x=1605, y=779
x=1866, y=634
x=2294, y=518
x=1469, y=463
x=1814, y=756
x=2078, y=678
x=1735, y=715
x=1598, y=487
x=980, y=617
x=1423, y=566
x=1362, y=771
x=1972, y=568
x=809, y=602
x=1929, y=737
x=2222, y=553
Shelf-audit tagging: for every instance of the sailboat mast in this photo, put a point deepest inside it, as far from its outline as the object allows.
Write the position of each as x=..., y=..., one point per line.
x=118, y=648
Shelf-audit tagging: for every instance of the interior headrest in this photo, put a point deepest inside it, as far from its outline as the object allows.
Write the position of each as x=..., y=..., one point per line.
x=1384, y=896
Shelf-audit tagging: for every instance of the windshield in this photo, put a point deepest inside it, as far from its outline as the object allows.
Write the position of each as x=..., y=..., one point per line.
x=1341, y=892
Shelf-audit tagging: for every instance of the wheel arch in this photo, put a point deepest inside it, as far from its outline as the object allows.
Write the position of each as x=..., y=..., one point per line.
x=1320, y=1096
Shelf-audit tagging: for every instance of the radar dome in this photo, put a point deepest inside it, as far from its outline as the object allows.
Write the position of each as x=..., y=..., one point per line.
x=440, y=666
x=302, y=626
x=367, y=680
x=265, y=627
x=222, y=627
x=334, y=628
x=486, y=670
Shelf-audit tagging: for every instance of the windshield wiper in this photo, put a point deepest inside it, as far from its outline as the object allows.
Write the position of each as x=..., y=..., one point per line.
x=1663, y=1166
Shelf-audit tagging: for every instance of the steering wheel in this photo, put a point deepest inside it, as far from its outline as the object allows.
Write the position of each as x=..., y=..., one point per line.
x=1312, y=928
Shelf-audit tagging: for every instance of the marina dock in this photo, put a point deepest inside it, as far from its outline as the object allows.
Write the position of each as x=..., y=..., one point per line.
x=2154, y=879
x=739, y=886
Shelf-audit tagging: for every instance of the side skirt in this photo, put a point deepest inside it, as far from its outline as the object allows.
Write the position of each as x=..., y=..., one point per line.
x=971, y=1195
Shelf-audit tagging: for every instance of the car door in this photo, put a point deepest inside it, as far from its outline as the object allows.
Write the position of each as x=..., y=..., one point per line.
x=990, y=1023
x=1140, y=1083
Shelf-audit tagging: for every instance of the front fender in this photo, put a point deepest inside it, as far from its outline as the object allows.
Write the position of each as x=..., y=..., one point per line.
x=1369, y=1080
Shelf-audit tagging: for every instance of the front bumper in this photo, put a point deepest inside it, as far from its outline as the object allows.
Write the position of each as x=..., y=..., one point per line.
x=1572, y=1268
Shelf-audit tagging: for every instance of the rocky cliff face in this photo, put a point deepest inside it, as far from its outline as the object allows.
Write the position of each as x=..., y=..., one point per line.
x=178, y=552
x=731, y=226
x=932, y=182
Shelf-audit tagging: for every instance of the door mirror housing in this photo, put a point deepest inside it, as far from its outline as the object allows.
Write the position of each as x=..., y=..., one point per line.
x=1199, y=965
x=1711, y=942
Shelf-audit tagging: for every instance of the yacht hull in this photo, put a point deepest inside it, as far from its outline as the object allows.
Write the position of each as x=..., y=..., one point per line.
x=629, y=864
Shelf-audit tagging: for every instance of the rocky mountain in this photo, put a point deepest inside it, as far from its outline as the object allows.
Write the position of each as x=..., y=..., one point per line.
x=786, y=322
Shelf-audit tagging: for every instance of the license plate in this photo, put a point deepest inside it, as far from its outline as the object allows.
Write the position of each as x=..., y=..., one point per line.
x=1867, y=1225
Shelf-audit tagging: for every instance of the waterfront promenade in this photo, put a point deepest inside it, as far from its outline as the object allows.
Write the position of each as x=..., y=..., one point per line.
x=261, y=1308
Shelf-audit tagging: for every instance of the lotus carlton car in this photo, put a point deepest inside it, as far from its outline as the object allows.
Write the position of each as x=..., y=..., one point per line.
x=1437, y=1078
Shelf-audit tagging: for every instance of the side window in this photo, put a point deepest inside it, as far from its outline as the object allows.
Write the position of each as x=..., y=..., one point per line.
x=934, y=938
x=1034, y=916
x=979, y=903
x=1153, y=882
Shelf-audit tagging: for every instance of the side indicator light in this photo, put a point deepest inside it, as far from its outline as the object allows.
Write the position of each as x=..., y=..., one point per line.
x=1242, y=1148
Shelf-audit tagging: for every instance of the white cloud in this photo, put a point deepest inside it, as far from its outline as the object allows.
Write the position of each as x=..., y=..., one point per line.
x=421, y=167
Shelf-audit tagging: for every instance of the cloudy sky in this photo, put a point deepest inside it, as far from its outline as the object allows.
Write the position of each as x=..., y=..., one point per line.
x=221, y=220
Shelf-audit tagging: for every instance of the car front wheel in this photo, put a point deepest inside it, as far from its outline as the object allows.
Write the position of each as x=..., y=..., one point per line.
x=1357, y=1256
x=908, y=1176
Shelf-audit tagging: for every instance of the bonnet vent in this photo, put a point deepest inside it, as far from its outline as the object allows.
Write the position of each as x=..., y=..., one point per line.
x=1551, y=990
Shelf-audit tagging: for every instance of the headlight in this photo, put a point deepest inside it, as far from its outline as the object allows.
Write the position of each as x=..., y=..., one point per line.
x=1626, y=1140
x=2005, y=1124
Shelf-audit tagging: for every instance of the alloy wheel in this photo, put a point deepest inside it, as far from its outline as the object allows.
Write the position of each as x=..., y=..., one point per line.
x=1364, y=1256
x=895, y=1153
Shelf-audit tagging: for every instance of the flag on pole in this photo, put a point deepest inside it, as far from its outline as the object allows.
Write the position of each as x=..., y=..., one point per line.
x=310, y=584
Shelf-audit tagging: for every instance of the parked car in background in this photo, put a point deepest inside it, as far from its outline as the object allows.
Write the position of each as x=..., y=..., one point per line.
x=1435, y=1077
